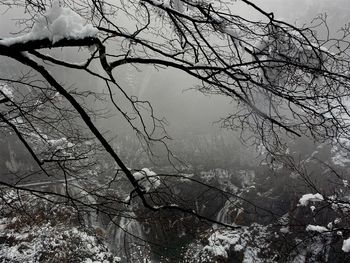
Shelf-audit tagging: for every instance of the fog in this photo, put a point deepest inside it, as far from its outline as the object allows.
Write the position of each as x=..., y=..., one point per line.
x=171, y=92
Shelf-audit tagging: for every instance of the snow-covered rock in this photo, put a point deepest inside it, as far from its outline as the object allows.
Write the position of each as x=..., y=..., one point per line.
x=306, y=198
x=147, y=179
x=346, y=245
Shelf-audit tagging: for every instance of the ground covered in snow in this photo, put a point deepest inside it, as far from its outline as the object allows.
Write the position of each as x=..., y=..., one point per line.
x=33, y=230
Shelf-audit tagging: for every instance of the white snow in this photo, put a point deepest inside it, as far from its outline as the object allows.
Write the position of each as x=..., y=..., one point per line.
x=147, y=179
x=330, y=225
x=127, y=199
x=60, y=144
x=285, y=230
x=57, y=142
x=346, y=245
x=222, y=241
x=305, y=199
x=6, y=90
x=337, y=221
x=344, y=207
x=315, y=228
x=57, y=24
x=28, y=240
x=238, y=247
x=219, y=243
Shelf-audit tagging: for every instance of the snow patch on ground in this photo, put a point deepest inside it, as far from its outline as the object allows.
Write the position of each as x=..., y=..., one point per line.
x=45, y=232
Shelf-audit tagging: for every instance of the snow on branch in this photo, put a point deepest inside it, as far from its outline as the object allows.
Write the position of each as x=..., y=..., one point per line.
x=147, y=179
x=305, y=199
x=315, y=228
x=57, y=24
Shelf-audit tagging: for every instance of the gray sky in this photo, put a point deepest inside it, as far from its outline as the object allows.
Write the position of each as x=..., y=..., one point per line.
x=189, y=110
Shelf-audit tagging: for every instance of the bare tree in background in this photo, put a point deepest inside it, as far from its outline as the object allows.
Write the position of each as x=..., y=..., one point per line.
x=284, y=82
